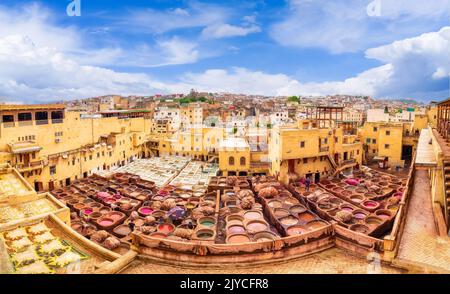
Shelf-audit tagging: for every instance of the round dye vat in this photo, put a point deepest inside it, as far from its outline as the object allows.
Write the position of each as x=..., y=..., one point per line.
x=158, y=235
x=360, y=228
x=357, y=198
x=281, y=212
x=145, y=210
x=296, y=230
x=393, y=207
x=105, y=222
x=373, y=221
x=205, y=234
x=256, y=226
x=275, y=204
x=122, y=231
x=207, y=221
x=264, y=236
x=370, y=204
x=88, y=211
x=253, y=215
x=315, y=224
x=238, y=238
x=235, y=229
x=359, y=214
x=190, y=205
x=306, y=217
x=166, y=228
x=347, y=208
x=383, y=214
x=138, y=222
x=290, y=201
x=158, y=213
x=116, y=216
x=288, y=220
x=104, y=209
x=296, y=209
x=95, y=215
x=233, y=217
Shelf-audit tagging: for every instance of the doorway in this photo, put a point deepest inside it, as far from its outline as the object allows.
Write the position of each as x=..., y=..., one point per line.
x=317, y=178
x=68, y=182
x=51, y=186
x=407, y=152
x=38, y=186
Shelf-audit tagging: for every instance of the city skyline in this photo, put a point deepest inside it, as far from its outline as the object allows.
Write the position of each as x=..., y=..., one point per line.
x=399, y=50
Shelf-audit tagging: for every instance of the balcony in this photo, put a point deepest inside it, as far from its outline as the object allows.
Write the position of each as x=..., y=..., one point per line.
x=25, y=123
x=42, y=122
x=57, y=120
x=259, y=165
x=30, y=166
x=324, y=149
x=9, y=124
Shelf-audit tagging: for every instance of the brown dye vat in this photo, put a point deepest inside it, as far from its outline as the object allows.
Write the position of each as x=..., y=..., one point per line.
x=116, y=216
x=383, y=214
x=237, y=239
x=296, y=209
x=361, y=190
x=356, y=198
x=393, y=207
x=290, y=201
x=104, y=209
x=346, y=193
x=95, y=216
x=234, y=217
x=256, y=226
x=88, y=201
x=325, y=182
x=264, y=236
x=359, y=228
x=306, y=217
x=253, y=214
x=288, y=220
x=350, y=188
x=330, y=186
x=95, y=205
x=370, y=195
x=158, y=235
x=158, y=214
x=296, y=230
x=280, y=212
x=341, y=184
x=78, y=207
x=373, y=221
x=338, y=190
x=335, y=181
x=315, y=224
x=235, y=222
x=122, y=231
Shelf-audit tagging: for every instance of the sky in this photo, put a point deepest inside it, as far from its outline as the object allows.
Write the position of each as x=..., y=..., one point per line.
x=387, y=49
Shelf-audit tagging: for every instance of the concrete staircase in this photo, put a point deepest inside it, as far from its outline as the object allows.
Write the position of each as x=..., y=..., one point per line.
x=447, y=190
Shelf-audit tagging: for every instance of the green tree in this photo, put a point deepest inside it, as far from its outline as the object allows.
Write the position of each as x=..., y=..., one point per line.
x=294, y=99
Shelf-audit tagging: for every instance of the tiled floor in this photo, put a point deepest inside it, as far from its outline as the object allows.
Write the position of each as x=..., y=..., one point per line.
x=329, y=261
x=420, y=242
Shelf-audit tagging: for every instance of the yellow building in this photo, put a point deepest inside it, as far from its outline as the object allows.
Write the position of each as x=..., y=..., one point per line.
x=52, y=147
x=234, y=157
x=306, y=150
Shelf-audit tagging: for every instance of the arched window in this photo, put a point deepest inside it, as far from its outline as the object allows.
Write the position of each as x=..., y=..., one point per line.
x=242, y=160
x=231, y=160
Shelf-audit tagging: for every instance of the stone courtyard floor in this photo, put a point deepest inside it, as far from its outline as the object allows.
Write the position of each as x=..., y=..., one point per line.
x=332, y=261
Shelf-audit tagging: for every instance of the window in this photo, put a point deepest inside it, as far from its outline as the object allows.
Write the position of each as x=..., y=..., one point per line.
x=302, y=144
x=375, y=129
x=305, y=160
x=231, y=160
x=41, y=116
x=357, y=151
x=374, y=141
x=242, y=160
x=8, y=118
x=388, y=133
x=110, y=153
x=25, y=116
x=368, y=140
x=52, y=170
x=386, y=146
x=373, y=151
x=90, y=157
x=325, y=141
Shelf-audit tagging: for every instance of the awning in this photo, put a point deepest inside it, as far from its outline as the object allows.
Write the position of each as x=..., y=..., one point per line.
x=26, y=149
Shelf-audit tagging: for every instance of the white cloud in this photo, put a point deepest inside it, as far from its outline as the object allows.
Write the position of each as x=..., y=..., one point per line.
x=224, y=30
x=196, y=14
x=32, y=73
x=344, y=25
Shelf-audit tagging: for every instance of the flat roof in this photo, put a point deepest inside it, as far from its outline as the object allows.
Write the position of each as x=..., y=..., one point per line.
x=425, y=155
x=31, y=106
x=234, y=143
